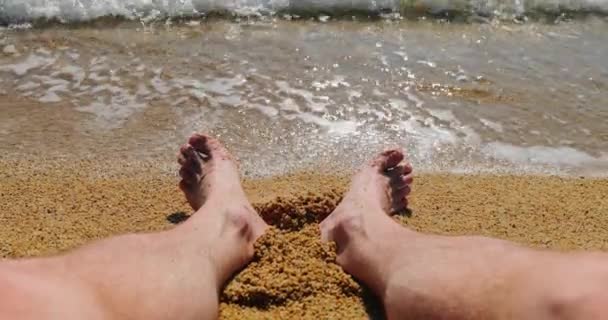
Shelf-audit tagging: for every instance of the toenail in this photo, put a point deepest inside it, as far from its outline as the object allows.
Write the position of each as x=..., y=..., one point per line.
x=202, y=155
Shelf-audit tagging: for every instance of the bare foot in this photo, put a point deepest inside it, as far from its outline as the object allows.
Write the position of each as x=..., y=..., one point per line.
x=416, y=275
x=209, y=174
x=382, y=184
x=379, y=189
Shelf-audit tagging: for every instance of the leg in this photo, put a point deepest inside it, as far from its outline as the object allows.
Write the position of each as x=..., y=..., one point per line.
x=175, y=274
x=421, y=276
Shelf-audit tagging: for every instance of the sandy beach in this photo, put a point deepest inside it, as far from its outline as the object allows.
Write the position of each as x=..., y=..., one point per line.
x=502, y=117
x=47, y=208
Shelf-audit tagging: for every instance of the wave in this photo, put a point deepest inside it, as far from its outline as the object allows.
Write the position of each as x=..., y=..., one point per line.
x=20, y=11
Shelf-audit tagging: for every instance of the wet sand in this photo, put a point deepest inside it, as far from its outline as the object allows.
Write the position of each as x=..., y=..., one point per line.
x=48, y=208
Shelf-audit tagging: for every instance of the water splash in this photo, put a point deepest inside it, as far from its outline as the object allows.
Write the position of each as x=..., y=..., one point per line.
x=19, y=11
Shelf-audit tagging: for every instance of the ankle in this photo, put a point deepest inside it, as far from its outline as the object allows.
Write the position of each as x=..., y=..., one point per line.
x=372, y=252
x=239, y=222
x=233, y=246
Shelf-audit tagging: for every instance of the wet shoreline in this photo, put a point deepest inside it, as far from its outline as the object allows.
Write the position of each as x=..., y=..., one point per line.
x=460, y=98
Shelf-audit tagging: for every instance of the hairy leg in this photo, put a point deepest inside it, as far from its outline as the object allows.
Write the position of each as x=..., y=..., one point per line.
x=176, y=274
x=420, y=276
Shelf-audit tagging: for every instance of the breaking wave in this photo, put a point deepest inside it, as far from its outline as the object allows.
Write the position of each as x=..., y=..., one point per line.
x=67, y=11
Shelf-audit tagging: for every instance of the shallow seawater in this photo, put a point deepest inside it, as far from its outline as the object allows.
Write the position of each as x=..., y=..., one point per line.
x=288, y=95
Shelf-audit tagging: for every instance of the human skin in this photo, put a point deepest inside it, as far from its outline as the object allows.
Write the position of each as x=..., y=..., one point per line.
x=175, y=274
x=423, y=276
x=178, y=274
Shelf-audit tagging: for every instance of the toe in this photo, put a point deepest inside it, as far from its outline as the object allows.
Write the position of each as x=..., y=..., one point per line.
x=388, y=159
x=402, y=191
x=407, y=168
x=408, y=179
x=185, y=186
x=198, y=141
x=182, y=155
x=208, y=146
x=396, y=172
x=400, y=180
x=399, y=198
x=400, y=176
x=393, y=158
x=191, y=165
x=181, y=159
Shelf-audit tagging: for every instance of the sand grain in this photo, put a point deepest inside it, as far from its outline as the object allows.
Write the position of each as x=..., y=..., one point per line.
x=49, y=209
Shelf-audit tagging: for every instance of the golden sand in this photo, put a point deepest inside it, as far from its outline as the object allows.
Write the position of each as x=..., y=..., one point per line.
x=293, y=275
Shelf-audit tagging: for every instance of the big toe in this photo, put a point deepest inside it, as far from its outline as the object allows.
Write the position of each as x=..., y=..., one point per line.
x=399, y=176
x=388, y=159
x=209, y=147
x=191, y=166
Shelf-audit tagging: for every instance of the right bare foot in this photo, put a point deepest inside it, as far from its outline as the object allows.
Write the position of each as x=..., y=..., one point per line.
x=382, y=185
x=416, y=275
x=377, y=190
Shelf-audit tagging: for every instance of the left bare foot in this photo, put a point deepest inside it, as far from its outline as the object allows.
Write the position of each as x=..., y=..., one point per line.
x=210, y=176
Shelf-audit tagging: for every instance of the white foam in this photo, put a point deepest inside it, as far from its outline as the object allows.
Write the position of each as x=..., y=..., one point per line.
x=367, y=110
x=492, y=125
x=559, y=156
x=267, y=110
x=161, y=86
x=428, y=138
x=398, y=104
x=508, y=8
x=414, y=98
x=428, y=63
x=289, y=105
x=96, y=77
x=234, y=101
x=73, y=55
x=384, y=60
x=51, y=81
x=10, y=49
x=402, y=54
x=76, y=74
x=27, y=86
x=338, y=127
x=337, y=81
x=148, y=10
x=199, y=95
x=224, y=86
x=324, y=18
x=315, y=103
x=50, y=97
x=114, y=110
x=353, y=94
x=98, y=63
x=33, y=61
x=443, y=115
